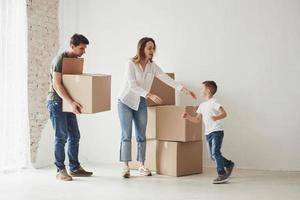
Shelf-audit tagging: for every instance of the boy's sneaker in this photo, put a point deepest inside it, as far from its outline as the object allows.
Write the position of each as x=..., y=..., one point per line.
x=144, y=171
x=221, y=179
x=126, y=172
x=80, y=172
x=229, y=169
x=63, y=175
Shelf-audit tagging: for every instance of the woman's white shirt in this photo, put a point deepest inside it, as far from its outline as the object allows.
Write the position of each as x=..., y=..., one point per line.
x=138, y=82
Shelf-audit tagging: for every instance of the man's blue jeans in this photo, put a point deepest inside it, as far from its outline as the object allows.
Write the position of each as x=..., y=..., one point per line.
x=66, y=130
x=214, y=144
x=139, y=117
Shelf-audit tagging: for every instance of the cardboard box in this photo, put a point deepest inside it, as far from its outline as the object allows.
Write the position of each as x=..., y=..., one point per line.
x=179, y=158
x=151, y=123
x=170, y=126
x=162, y=90
x=91, y=91
x=150, y=161
x=72, y=66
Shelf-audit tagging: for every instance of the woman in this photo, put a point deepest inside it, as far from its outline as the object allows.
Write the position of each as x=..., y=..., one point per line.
x=132, y=105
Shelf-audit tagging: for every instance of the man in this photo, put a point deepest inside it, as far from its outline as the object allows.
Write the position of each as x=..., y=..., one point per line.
x=65, y=124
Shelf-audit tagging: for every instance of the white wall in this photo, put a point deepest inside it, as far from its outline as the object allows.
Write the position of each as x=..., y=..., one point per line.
x=250, y=48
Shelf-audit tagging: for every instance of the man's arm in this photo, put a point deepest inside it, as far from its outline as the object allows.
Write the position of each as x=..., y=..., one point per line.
x=61, y=91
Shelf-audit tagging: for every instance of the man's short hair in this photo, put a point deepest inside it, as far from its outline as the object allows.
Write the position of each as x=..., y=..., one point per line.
x=78, y=39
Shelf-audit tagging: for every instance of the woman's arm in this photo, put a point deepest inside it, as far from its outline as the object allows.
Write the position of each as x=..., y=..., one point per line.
x=171, y=82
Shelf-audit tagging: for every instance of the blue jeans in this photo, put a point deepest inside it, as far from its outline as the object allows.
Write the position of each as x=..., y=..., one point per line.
x=139, y=117
x=214, y=144
x=66, y=129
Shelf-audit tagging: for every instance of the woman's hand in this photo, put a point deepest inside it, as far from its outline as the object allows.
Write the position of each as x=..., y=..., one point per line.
x=156, y=99
x=188, y=92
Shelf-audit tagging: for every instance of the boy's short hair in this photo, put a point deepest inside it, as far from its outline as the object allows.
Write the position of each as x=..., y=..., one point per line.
x=78, y=39
x=212, y=86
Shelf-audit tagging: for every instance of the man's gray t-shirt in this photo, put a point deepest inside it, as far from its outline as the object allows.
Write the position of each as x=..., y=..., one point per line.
x=56, y=66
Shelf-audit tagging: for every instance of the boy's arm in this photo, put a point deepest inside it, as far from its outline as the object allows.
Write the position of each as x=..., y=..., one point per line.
x=194, y=119
x=221, y=115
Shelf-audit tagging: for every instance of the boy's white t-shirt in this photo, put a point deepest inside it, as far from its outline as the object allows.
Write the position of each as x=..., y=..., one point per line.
x=208, y=109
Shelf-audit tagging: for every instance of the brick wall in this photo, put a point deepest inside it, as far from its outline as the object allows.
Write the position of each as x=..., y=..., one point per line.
x=42, y=47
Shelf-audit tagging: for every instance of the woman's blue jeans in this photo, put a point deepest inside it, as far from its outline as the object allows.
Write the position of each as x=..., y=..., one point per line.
x=139, y=117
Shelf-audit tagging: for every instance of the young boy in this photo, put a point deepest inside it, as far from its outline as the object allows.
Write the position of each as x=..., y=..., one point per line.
x=212, y=113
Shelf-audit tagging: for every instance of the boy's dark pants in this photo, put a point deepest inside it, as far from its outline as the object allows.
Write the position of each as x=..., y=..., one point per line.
x=214, y=144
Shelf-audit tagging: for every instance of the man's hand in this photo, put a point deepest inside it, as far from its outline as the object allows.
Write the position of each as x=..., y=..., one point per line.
x=76, y=107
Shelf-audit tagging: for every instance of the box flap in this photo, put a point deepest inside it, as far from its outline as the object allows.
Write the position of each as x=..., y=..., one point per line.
x=72, y=65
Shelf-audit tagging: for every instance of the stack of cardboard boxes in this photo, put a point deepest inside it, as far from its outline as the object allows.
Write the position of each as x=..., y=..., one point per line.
x=174, y=145
x=91, y=91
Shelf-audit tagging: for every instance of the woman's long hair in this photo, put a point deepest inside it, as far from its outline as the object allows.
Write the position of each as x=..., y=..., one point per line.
x=140, y=54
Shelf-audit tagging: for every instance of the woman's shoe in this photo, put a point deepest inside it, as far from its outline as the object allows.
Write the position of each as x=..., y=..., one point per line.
x=144, y=171
x=126, y=172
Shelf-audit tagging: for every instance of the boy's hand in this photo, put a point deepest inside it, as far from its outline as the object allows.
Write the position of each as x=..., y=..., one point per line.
x=191, y=118
x=222, y=114
x=184, y=115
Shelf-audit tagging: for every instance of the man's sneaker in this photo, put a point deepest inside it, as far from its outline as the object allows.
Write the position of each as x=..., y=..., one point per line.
x=229, y=169
x=63, y=175
x=126, y=172
x=144, y=171
x=221, y=179
x=80, y=172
